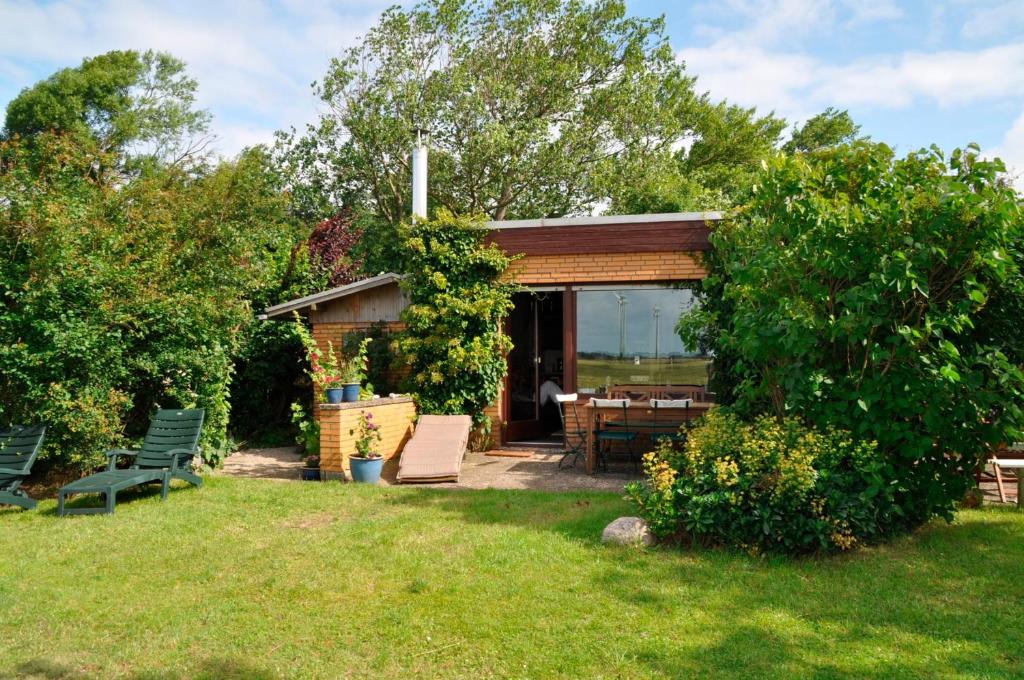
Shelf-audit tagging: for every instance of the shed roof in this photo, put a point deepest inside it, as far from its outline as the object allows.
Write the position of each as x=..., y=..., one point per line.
x=596, y=220
x=327, y=295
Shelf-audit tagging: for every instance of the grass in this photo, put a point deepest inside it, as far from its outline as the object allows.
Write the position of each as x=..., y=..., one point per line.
x=687, y=371
x=256, y=579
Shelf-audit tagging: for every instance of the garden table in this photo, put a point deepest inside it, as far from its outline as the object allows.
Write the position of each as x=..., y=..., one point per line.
x=642, y=411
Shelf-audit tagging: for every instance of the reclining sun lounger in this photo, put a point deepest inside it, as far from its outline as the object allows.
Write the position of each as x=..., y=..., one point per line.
x=167, y=452
x=19, y=447
x=435, y=452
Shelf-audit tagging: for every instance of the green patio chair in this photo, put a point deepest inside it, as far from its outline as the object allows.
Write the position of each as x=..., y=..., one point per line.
x=621, y=432
x=679, y=436
x=171, y=444
x=19, y=447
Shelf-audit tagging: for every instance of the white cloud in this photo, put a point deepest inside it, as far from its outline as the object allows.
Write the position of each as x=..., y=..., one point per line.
x=254, y=60
x=995, y=21
x=947, y=77
x=796, y=84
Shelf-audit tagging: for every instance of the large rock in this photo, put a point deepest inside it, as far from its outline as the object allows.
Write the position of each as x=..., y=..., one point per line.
x=628, y=531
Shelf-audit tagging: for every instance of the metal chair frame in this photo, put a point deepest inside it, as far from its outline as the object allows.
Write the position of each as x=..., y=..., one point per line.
x=572, y=450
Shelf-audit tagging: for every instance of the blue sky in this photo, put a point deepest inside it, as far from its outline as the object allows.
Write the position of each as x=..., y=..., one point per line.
x=912, y=73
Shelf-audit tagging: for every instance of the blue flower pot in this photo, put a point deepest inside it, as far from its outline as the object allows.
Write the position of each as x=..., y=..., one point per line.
x=366, y=470
x=311, y=474
x=334, y=395
x=351, y=392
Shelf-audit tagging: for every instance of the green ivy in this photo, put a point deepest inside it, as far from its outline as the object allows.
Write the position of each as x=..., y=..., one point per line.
x=458, y=296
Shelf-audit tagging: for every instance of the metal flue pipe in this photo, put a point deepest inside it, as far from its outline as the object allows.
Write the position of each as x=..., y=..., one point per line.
x=419, y=175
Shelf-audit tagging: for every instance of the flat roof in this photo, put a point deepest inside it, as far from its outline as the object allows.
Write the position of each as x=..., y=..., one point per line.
x=706, y=216
x=327, y=295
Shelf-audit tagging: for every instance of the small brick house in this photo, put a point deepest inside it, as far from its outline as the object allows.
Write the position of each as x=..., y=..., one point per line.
x=601, y=296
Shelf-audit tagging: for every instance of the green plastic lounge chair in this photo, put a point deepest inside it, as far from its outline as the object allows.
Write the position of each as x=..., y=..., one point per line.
x=19, y=447
x=171, y=444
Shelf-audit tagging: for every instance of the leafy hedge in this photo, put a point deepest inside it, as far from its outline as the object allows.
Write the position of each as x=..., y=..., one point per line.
x=768, y=486
x=879, y=296
x=119, y=294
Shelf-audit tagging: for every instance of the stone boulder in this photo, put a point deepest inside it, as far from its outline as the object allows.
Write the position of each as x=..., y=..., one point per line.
x=628, y=531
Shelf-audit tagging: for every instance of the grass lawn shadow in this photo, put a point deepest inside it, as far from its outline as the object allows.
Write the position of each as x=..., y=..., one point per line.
x=580, y=515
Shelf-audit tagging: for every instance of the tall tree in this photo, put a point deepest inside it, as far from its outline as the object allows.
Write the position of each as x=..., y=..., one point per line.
x=135, y=106
x=536, y=107
x=831, y=127
x=714, y=170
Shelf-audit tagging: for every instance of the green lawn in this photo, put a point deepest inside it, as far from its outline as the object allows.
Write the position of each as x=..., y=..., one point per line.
x=257, y=579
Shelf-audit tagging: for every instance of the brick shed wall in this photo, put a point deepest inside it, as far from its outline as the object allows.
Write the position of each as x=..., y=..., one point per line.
x=394, y=416
x=608, y=268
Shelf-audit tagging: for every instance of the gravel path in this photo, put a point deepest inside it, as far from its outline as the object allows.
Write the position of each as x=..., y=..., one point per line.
x=537, y=470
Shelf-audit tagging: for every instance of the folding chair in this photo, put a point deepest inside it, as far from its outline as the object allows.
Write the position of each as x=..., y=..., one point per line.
x=574, y=440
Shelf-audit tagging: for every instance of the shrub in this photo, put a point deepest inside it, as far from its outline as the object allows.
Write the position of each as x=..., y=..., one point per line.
x=767, y=486
x=878, y=295
x=119, y=297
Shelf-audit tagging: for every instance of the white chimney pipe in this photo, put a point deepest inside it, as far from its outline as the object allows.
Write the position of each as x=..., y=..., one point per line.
x=419, y=176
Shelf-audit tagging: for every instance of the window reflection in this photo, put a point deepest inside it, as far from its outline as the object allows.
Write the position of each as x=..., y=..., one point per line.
x=628, y=337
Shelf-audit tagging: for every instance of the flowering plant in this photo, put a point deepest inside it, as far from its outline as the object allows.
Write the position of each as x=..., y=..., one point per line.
x=369, y=435
x=355, y=368
x=330, y=368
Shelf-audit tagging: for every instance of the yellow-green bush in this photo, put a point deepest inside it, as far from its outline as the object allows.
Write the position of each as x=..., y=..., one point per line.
x=767, y=486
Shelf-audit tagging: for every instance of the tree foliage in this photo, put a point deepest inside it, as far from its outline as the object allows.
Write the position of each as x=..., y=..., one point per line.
x=137, y=107
x=117, y=299
x=869, y=293
x=829, y=128
x=458, y=296
x=535, y=106
x=332, y=248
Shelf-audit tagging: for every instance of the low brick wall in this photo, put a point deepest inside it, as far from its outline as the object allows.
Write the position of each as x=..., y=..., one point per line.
x=394, y=416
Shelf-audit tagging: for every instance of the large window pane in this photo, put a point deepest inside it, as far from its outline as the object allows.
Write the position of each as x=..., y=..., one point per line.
x=627, y=337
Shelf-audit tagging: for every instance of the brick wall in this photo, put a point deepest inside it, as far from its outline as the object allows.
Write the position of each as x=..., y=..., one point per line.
x=394, y=416
x=608, y=268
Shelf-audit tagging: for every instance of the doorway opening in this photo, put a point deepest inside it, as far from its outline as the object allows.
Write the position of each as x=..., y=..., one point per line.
x=536, y=365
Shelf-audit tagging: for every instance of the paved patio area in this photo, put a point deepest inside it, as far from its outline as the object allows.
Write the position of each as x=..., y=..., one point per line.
x=530, y=469
x=527, y=469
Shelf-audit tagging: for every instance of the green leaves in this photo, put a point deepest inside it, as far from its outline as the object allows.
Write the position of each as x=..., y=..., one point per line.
x=883, y=296
x=458, y=297
x=122, y=298
x=536, y=108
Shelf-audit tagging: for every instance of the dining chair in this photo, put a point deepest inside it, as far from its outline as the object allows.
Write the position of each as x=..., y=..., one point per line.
x=620, y=433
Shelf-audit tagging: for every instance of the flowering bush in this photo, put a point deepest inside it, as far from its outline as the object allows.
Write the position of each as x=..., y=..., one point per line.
x=368, y=436
x=767, y=486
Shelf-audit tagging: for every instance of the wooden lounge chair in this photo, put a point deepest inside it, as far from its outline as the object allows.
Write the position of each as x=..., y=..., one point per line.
x=171, y=444
x=435, y=452
x=19, y=447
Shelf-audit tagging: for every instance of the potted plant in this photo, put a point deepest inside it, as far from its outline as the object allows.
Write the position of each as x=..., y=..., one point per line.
x=366, y=463
x=311, y=469
x=325, y=368
x=354, y=373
